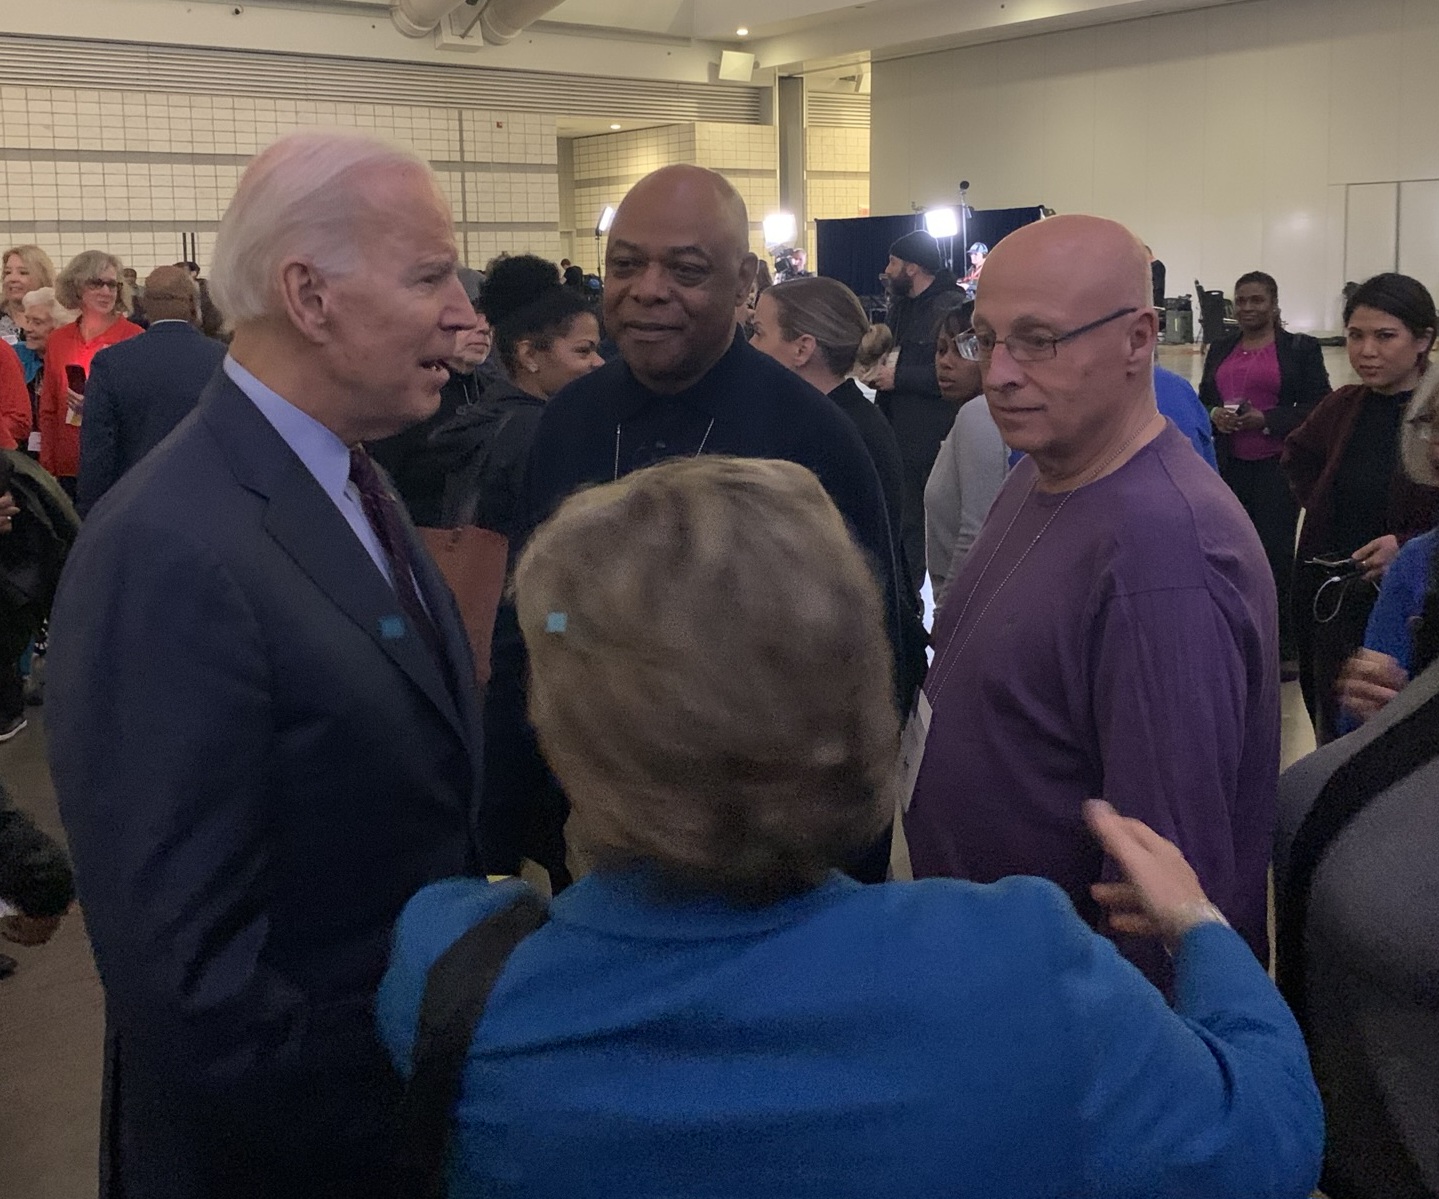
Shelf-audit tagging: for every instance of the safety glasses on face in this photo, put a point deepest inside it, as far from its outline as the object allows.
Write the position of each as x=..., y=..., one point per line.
x=1027, y=347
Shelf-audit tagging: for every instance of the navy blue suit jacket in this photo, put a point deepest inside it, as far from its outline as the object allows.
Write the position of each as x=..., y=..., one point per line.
x=257, y=763
x=133, y=399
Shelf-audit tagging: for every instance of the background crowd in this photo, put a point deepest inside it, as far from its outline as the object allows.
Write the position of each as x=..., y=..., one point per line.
x=427, y=573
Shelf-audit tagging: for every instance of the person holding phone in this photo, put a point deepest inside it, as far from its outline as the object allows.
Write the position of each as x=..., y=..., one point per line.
x=92, y=284
x=1259, y=383
x=1344, y=465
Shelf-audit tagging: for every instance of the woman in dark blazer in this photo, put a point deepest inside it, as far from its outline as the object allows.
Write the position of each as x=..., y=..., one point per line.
x=1343, y=465
x=1259, y=384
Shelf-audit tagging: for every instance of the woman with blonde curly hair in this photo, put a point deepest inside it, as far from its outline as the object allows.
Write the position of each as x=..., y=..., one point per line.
x=716, y=1009
x=25, y=269
x=93, y=285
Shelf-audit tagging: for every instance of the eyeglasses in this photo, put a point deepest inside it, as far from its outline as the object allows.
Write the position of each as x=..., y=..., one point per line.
x=1027, y=347
x=107, y=284
x=1423, y=427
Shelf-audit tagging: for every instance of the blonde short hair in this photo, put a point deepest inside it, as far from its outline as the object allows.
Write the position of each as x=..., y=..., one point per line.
x=44, y=297
x=37, y=262
x=1413, y=450
x=711, y=677
x=300, y=196
x=70, y=286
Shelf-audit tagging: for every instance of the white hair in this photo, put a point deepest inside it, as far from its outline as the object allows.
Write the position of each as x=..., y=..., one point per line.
x=44, y=297
x=300, y=197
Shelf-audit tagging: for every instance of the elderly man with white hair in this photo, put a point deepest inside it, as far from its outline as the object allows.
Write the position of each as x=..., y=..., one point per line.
x=263, y=728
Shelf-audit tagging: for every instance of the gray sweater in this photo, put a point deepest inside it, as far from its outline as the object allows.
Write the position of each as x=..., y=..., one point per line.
x=1371, y=953
x=967, y=475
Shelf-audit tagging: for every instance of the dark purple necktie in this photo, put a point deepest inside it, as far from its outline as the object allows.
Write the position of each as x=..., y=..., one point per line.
x=381, y=512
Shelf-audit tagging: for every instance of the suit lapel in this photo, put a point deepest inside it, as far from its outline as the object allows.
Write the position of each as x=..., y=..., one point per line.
x=308, y=526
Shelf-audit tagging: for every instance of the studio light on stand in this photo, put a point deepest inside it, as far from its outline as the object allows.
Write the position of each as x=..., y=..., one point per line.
x=965, y=212
x=602, y=226
x=942, y=224
x=780, y=230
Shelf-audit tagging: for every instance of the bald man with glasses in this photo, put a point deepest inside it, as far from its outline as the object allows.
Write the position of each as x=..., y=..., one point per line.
x=1113, y=631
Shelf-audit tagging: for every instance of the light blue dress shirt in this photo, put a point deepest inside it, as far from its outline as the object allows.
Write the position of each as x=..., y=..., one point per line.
x=325, y=456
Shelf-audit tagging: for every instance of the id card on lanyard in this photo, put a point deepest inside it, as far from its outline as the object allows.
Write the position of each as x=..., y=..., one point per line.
x=911, y=749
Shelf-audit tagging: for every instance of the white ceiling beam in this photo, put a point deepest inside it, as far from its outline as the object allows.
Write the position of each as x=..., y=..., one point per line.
x=353, y=32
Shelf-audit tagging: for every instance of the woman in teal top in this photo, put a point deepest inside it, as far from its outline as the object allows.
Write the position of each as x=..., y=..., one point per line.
x=715, y=1011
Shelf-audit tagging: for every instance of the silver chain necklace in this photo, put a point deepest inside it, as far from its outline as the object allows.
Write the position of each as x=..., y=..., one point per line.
x=979, y=620
x=704, y=441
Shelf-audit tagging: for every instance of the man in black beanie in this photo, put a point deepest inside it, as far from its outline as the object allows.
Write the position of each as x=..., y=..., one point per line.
x=921, y=291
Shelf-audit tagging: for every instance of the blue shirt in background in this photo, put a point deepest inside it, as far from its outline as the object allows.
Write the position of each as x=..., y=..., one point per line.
x=1181, y=404
x=1401, y=598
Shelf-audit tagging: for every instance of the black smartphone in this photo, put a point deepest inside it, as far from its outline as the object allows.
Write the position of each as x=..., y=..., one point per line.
x=75, y=376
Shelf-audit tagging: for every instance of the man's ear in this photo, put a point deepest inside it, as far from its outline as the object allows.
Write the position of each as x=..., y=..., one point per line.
x=306, y=297
x=748, y=268
x=1143, y=341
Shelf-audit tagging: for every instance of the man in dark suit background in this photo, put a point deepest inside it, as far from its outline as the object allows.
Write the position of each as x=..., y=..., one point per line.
x=134, y=399
x=263, y=729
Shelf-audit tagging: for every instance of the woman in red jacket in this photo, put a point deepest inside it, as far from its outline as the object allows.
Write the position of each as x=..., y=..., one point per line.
x=94, y=285
x=1343, y=465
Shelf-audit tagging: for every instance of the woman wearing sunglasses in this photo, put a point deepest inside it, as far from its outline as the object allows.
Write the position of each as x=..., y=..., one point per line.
x=93, y=285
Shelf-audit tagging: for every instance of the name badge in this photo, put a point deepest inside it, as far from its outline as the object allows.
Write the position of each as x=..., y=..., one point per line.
x=911, y=749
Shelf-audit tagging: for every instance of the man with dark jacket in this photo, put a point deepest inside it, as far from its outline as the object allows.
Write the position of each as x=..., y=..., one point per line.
x=686, y=383
x=922, y=291
x=263, y=728
x=135, y=396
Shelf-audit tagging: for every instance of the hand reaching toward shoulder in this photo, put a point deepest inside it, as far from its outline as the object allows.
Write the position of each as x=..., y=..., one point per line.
x=1162, y=897
x=9, y=510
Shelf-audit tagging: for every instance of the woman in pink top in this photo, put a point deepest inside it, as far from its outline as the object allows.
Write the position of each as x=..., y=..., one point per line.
x=1259, y=384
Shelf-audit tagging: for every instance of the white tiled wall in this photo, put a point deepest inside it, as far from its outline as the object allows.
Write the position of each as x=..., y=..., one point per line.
x=605, y=167
x=131, y=171
x=836, y=176
x=1225, y=136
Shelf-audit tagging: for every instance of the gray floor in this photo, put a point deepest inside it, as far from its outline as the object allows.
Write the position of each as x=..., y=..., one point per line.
x=51, y=1010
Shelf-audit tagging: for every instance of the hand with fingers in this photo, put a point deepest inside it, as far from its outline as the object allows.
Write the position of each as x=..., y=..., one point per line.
x=1162, y=896
x=1368, y=682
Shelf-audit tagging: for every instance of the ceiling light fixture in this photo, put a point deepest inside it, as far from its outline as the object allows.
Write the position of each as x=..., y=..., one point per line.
x=741, y=32
x=617, y=125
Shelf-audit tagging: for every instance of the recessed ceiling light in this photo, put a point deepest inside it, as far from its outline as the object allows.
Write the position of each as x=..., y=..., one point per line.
x=741, y=32
x=616, y=126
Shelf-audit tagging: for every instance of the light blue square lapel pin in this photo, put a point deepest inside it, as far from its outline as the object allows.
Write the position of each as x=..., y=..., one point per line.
x=392, y=628
x=556, y=622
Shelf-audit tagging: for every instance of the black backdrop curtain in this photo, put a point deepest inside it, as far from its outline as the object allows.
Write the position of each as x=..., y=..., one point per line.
x=855, y=250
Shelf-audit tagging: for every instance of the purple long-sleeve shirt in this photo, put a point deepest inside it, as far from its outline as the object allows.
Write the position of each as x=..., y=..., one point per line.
x=1132, y=655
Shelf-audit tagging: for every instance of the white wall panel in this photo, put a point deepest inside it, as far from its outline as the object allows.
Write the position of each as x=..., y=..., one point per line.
x=1419, y=231
x=1371, y=229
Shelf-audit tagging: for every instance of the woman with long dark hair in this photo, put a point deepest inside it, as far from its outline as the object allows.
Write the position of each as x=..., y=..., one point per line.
x=1344, y=466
